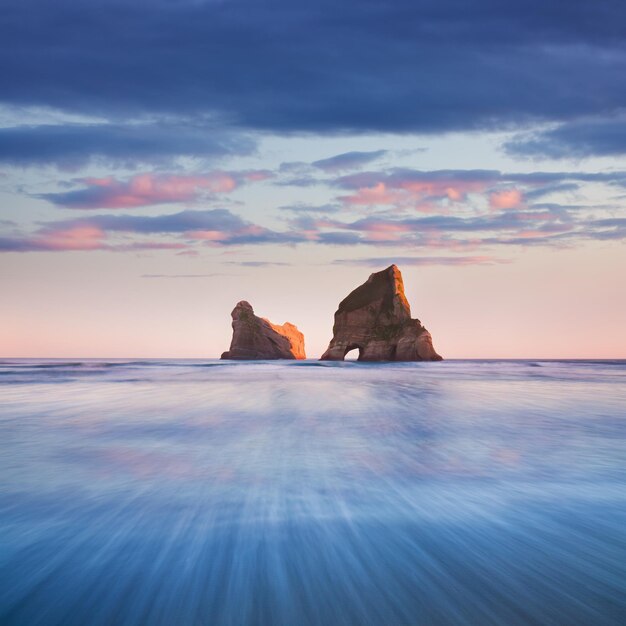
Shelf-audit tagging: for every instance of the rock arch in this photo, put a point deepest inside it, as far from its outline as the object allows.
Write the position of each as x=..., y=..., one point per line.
x=376, y=318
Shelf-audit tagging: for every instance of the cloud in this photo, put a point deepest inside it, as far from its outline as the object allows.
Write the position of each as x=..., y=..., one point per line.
x=258, y=263
x=573, y=140
x=77, y=238
x=210, y=227
x=187, y=221
x=148, y=189
x=399, y=178
x=433, y=66
x=512, y=220
x=338, y=238
x=547, y=190
x=72, y=146
x=469, y=211
x=444, y=231
x=180, y=275
x=610, y=222
x=422, y=190
x=506, y=199
x=421, y=260
x=216, y=226
x=439, y=191
x=348, y=161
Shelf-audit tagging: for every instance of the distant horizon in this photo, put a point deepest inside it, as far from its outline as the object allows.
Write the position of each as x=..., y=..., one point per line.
x=308, y=358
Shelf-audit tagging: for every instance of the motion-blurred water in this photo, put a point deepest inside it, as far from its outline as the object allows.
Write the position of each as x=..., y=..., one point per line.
x=184, y=492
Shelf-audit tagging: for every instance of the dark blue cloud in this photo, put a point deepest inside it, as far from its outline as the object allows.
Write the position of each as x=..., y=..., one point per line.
x=283, y=66
x=220, y=220
x=14, y=244
x=617, y=224
x=231, y=228
x=617, y=234
x=339, y=238
x=611, y=221
x=566, y=187
x=75, y=145
x=573, y=140
x=348, y=160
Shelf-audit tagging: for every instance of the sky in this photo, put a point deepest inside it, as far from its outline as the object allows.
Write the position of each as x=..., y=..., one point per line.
x=161, y=160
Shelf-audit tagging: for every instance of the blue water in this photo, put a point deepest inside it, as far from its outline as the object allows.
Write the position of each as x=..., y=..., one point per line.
x=208, y=493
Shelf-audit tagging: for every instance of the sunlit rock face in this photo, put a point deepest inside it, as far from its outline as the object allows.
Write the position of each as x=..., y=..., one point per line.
x=376, y=319
x=257, y=338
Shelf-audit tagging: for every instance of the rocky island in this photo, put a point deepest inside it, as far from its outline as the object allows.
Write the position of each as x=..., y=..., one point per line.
x=257, y=338
x=376, y=319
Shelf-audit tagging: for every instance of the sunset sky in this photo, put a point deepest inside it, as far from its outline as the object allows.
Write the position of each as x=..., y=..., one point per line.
x=161, y=160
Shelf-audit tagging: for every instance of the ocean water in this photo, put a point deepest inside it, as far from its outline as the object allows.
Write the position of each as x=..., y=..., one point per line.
x=208, y=493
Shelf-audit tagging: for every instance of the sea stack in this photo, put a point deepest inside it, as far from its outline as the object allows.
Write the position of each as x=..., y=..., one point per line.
x=376, y=319
x=257, y=338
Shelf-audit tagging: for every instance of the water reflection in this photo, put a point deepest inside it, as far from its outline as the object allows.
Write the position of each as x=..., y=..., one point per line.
x=300, y=493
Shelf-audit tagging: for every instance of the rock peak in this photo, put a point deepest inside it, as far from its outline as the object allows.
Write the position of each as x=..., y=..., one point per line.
x=387, y=286
x=257, y=338
x=242, y=306
x=375, y=318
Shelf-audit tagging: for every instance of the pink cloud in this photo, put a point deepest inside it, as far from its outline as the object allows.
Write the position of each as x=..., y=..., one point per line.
x=148, y=189
x=75, y=238
x=84, y=237
x=377, y=194
x=207, y=235
x=100, y=182
x=505, y=199
x=386, y=227
x=255, y=176
x=423, y=195
x=452, y=190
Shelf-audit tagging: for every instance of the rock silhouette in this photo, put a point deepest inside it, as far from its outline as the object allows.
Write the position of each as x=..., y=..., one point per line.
x=376, y=319
x=257, y=338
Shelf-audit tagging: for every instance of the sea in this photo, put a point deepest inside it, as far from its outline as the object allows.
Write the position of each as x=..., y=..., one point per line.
x=177, y=492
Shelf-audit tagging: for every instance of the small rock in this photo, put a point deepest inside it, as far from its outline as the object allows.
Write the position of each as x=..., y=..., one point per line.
x=257, y=338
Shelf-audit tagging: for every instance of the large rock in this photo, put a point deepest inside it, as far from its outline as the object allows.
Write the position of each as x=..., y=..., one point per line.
x=257, y=338
x=376, y=319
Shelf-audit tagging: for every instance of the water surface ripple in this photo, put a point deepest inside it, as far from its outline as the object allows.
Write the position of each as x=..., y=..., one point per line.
x=207, y=493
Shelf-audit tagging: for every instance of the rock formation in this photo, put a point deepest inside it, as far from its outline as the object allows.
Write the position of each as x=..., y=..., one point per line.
x=257, y=338
x=376, y=319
